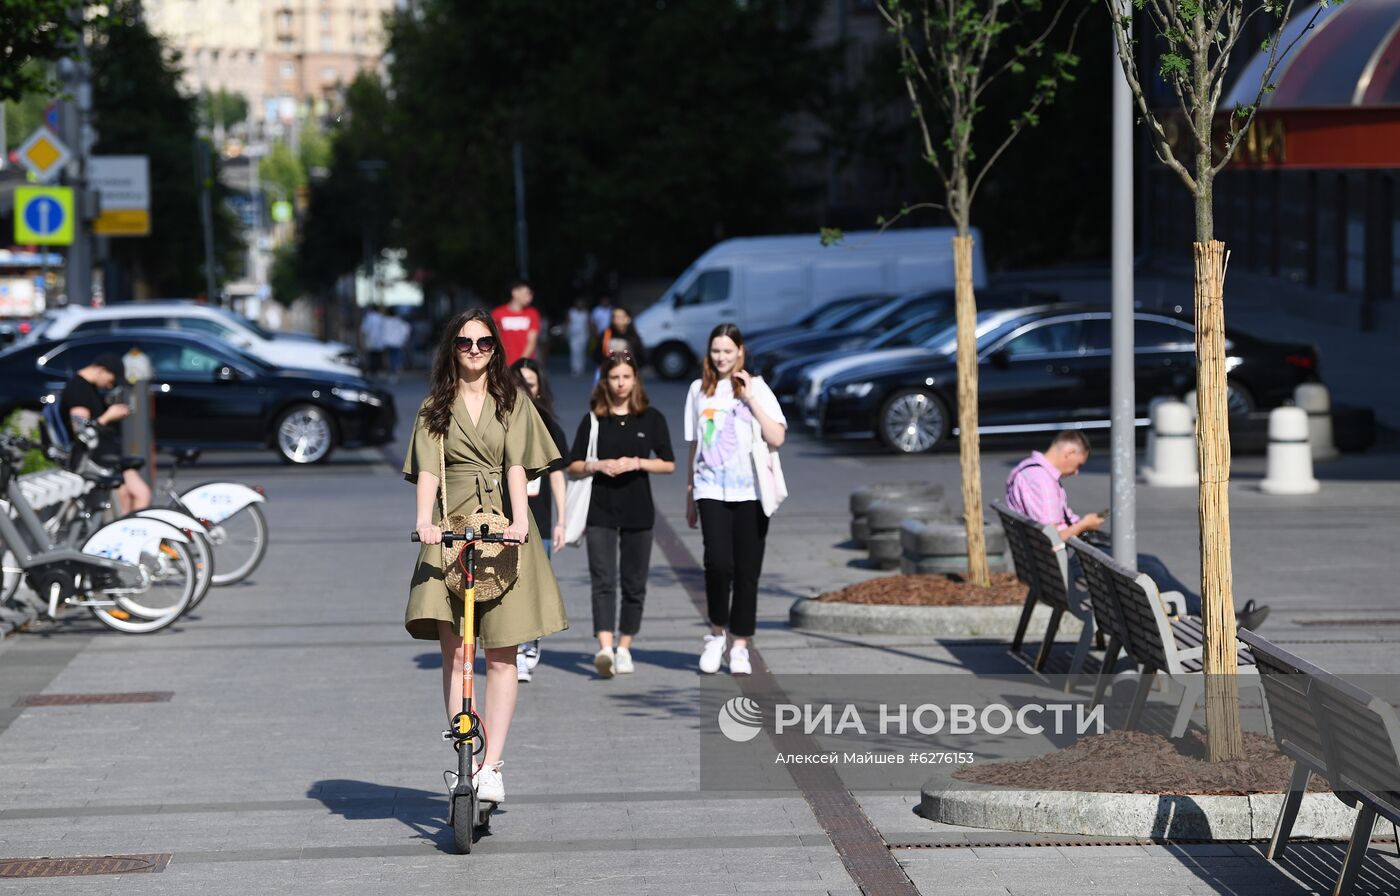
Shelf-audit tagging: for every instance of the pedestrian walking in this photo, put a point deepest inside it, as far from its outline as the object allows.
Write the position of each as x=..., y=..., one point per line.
x=725, y=411
x=600, y=317
x=546, y=506
x=518, y=323
x=372, y=339
x=621, y=337
x=579, y=331
x=396, y=334
x=478, y=427
x=632, y=442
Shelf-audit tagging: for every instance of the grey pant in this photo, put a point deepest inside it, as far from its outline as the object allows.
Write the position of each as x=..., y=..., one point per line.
x=605, y=547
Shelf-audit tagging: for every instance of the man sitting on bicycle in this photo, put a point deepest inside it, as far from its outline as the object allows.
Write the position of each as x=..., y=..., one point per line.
x=92, y=423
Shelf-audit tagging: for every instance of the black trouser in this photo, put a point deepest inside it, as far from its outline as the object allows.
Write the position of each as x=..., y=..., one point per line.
x=1156, y=571
x=604, y=546
x=734, y=534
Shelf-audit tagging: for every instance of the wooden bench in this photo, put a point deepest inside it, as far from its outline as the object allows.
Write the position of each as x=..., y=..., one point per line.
x=1042, y=563
x=1333, y=729
x=1148, y=636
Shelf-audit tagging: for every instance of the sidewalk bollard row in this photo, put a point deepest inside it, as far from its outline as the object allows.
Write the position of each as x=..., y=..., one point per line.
x=1317, y=402
x=1171, y=452
x=1290, y=470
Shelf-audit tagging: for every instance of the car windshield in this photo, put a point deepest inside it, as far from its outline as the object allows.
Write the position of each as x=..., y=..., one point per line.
x=246, y=322
x=990, y=325
x=834, y=314
x=918, y=331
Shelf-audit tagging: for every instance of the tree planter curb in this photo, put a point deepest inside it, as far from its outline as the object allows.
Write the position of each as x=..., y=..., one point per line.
x=997, y=623
x=1135, y=815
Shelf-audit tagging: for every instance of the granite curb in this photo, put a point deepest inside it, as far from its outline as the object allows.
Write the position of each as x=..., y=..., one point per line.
x=997, y=623
x=1137, y=815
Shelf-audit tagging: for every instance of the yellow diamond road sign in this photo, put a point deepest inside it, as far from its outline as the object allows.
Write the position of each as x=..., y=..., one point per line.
x=44, y=154
x=44, y=216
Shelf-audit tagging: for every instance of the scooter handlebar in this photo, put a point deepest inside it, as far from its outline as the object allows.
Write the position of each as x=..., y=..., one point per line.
x=449, y=537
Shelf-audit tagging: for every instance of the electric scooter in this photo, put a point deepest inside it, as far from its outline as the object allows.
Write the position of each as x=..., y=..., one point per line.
x=466, y=814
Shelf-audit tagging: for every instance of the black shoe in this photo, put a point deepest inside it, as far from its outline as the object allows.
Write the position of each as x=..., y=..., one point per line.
x=1250, y=616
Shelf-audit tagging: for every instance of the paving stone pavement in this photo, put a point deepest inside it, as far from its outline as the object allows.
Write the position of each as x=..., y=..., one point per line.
x=300, y=752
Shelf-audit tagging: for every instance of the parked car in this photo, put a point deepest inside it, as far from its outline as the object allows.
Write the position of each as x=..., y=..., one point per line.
x=769, y=281
x=284, y=350
x=1039, y=369
x=826, y=317
x=879, y=327
x=209, y=395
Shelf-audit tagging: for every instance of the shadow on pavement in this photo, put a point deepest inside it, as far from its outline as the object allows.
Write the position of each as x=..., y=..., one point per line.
x=422, y=812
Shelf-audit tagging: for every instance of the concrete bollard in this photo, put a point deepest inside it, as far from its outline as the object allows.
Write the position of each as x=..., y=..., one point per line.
x=1290, y=469
x=1172, y=462
x=1317, y=402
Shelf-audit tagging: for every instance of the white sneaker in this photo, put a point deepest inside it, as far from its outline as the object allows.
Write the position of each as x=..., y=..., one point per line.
x=532, y=653
x=490, y=786
x=603, y=662
x=623, y=661
x=522, y=668
x=739, y=660
x=713, y=653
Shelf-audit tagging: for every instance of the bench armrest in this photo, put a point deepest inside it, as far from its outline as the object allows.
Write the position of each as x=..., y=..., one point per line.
x=1190, y=653
x=1176, y=601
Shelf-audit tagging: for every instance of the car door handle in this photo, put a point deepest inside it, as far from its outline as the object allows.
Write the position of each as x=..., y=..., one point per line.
x=1057, y=368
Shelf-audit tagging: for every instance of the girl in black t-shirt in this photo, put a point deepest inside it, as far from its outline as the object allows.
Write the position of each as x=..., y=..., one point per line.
x=633, y=441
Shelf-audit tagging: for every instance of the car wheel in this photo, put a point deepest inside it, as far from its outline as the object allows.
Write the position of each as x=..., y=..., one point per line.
x=305, y=434
x=913, y=421
x=672, y=361
x=1238, y=401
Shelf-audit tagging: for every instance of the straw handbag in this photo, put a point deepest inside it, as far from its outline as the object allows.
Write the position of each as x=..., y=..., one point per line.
x=497, y=565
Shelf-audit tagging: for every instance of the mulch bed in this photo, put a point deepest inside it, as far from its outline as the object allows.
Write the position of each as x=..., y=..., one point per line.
x=949, y=590
x=1134, y=762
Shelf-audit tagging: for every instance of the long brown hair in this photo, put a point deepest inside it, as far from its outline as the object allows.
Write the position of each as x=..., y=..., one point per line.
x=601, y=400
x=442, y=386
x=545, y=402
x=709, y=377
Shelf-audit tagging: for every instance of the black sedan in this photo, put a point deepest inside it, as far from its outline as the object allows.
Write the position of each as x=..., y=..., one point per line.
x=1039, y=369
x=209, y=395
x=828, y=316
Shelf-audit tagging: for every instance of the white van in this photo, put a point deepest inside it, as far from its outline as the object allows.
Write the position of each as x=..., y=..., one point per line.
x=766, y=281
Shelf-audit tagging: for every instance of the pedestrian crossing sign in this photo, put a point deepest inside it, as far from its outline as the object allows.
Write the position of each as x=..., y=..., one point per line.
x=44, y=216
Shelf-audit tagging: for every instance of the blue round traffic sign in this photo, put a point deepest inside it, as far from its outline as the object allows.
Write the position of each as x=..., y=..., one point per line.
x=44, y=216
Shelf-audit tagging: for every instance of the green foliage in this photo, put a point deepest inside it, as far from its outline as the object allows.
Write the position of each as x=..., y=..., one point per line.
x=225, y=107
x=832, y=236
x=138, y=109
x=32, y=34
x=283, y=276
x=34, y=460
x=649, y=131
x=281, y=170
x=24, y=114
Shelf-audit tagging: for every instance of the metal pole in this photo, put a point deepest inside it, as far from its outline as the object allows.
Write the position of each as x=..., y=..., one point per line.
x=1122, y=398
x=522, y=232
x=204, y=171
x=73, y=120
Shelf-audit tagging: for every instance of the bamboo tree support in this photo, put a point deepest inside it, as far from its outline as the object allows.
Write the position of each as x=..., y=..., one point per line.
x=1225, y=741
x=969, y=450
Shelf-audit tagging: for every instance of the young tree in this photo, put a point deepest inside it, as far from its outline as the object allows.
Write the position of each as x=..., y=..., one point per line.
x=952, y=52
x=1198, y=38
x=33, y=33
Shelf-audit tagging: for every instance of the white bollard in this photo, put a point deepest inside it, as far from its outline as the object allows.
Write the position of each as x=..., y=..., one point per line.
x=1317, y=401
x=1172, y=462
x=1290, y=469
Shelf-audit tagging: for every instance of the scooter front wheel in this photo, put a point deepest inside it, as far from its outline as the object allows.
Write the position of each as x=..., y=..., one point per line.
x=464, y=809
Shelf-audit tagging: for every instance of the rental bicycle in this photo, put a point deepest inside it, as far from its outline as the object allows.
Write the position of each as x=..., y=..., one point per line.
x=136, y=574
x=466, y=814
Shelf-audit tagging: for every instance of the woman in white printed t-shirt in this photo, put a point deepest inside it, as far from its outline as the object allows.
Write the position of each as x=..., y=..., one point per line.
x=721, y=409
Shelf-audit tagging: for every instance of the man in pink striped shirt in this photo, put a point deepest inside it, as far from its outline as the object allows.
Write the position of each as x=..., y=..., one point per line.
x=1034, y=488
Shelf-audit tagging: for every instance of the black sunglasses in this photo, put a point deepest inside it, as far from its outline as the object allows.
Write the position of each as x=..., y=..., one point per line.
x=483, y=345
x=624, y=357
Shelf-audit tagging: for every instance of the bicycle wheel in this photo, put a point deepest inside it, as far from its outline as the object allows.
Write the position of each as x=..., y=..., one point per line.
x=239, y=545
x=168, y=583
x=10, y=576
x=202, y=550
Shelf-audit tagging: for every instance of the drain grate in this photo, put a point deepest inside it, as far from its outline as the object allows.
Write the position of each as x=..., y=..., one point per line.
x=152, y=863
x=86, y=699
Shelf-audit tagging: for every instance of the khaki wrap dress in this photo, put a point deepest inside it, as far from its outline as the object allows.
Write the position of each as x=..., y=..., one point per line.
x=478, y=454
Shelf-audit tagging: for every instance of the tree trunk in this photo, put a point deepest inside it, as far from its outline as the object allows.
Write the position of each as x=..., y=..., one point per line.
x=1225, y=741
x=969, y=451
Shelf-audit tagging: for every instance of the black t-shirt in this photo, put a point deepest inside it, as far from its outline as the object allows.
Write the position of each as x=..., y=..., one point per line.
x=79, y=393
x=624, y=502
x=542, y=505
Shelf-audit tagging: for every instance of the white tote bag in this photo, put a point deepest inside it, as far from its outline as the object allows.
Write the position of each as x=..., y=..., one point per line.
x=579, y=492
x=767, y=473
